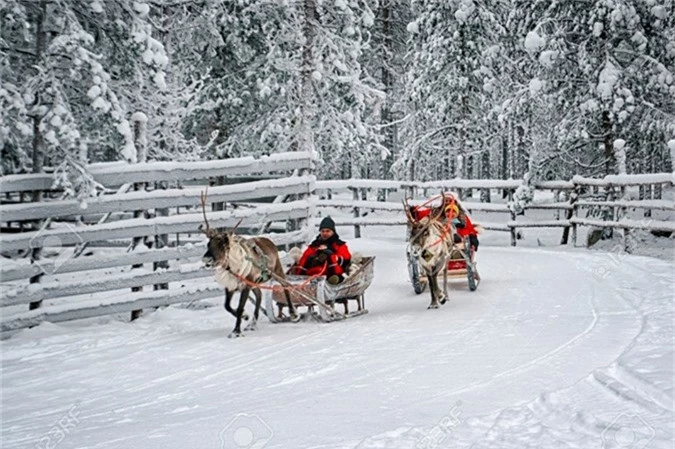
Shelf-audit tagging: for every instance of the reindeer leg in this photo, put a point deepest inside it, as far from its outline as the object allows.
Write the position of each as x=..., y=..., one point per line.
x=240, y=311
x=444, y=293
x=253, y=325
x=433, y=287
x=228, y=299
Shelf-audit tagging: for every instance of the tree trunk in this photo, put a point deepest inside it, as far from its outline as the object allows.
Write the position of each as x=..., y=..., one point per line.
x=607, y=141
x=486, y=173
x=386, y=116
x=38, y=144
x=305, y=138
x=505, y=161
x=521, y=157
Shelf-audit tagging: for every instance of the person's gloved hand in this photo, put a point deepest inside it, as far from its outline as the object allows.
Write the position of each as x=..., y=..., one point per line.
x=322, y=256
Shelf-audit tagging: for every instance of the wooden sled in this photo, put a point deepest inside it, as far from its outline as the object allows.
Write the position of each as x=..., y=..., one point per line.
x=315, y=298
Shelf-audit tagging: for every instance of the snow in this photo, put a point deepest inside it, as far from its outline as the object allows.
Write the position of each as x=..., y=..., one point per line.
x=534, y=42
x=568, y=349
x=467, y=7
x=94, y=92
x=139, y=117
x=536, y=85
x=659, y=11
x=608, y=78
x=620, y=155
x=548, y=57
x=96, y=6
x=141, y=8
x=413, y=27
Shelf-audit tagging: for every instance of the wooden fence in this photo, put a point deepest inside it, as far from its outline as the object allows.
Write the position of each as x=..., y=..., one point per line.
x=65, y=283
x=607, y=193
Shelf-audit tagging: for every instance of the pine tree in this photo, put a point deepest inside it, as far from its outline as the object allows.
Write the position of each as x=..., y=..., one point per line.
x=67, y=69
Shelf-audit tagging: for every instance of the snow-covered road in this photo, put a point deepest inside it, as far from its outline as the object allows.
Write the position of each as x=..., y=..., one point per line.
x=566, y=349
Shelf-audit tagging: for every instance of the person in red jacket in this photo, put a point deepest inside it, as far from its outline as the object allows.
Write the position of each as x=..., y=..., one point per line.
x=452, y=211
x=326, y=255
x=462, y=222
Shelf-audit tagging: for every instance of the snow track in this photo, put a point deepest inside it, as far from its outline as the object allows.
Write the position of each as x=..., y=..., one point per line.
x=555, y=349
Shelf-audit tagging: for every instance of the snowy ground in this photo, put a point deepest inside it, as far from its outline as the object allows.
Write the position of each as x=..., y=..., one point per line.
x=565, y=349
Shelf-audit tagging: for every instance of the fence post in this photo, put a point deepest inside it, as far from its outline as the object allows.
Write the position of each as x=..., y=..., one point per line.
x=513, y=228
x=38, y=167
x=571, y=212
x=140, y=141
x=622, y=212
x=162, y=240
x=575, y=214
x=357, y=212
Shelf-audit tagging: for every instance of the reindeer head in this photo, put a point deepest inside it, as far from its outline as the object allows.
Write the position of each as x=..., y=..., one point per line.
x=218, y=246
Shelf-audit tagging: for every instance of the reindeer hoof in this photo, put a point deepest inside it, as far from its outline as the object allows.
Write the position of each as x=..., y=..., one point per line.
x=433, y=306
x=251, y=327
x=235, y=334
x=443, y=300
x=295, y=318
x=244, y=317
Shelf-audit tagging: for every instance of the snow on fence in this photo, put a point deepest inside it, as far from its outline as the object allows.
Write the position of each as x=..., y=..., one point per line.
x=71, y=287
x=579, y=190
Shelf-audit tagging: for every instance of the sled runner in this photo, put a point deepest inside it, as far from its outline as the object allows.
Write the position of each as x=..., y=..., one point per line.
x=318, y=297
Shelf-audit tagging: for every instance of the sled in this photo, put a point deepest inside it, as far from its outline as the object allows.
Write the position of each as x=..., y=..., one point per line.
x=315, y=298
x=461, y=263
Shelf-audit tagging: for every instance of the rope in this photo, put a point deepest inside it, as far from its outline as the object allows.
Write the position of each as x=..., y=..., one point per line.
x=444, y=234
x=279, y=287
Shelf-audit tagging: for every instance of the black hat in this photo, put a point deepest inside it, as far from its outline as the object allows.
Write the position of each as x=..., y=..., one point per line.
x=327, y=223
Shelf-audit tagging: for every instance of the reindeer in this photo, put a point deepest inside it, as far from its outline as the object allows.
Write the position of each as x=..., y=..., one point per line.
x=241, y=264
x=431, y=243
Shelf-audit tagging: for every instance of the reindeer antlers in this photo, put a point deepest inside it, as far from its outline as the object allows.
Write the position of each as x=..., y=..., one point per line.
x=208, y=231
x=441, y=210
x=408, y=214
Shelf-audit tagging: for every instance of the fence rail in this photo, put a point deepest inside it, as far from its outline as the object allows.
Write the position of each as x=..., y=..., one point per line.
x=115, y=174
x=613, y=185
x=67, y=283
x=156, y=199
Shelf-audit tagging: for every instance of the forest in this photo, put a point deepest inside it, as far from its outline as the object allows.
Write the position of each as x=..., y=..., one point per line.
x=380, y=89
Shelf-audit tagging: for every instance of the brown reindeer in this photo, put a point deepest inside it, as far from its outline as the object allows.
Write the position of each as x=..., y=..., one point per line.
x=430, y=243
x=241, y=264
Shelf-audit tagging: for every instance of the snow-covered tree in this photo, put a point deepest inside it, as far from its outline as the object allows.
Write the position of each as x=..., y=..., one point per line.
x=67, y=67
x=287, y=76
x=609, y=71
x=446, y=85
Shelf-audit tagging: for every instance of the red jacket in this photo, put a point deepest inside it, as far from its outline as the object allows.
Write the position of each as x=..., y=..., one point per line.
x=463, y=229
x=337, y=258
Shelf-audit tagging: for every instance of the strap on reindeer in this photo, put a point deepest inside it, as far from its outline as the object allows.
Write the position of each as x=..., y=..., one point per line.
x=260, y=263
